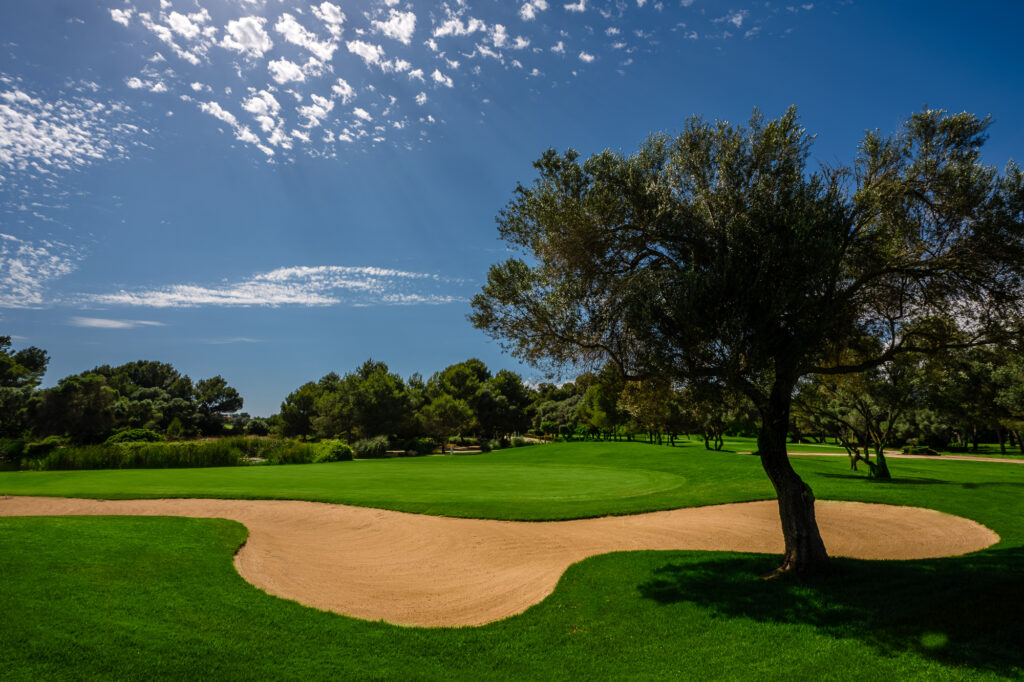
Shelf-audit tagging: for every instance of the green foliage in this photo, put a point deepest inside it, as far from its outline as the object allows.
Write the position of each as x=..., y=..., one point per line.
x=257, y=427
x=444, y=416
x=175, y=429
x=518, y=442
x=21, y=369
x=333, y=451
x=371, y=448
x=135, y=436
x=420, y=446
x=139, y=456
x=11, y=449
x=42, y=448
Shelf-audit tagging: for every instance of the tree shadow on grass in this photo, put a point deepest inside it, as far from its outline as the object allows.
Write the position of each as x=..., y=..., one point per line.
x=963, y=611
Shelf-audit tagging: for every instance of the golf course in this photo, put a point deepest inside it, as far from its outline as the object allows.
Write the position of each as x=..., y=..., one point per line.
x=131, y=596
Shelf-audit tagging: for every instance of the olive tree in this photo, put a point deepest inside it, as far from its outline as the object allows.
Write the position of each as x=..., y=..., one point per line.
x=721, y=254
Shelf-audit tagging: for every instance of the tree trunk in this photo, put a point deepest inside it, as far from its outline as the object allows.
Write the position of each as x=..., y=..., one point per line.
x=1002, y=438
x=805, y=551
x=881, y=468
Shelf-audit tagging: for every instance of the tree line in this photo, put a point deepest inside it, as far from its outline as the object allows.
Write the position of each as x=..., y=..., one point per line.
x=953, y=400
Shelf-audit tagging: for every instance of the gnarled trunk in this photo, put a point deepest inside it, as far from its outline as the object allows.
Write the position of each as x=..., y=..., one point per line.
x=805, y=551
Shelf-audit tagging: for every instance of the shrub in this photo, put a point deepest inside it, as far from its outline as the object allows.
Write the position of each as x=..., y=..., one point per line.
x=485, y=445
x=175, y=429
x=139, y=455
x=135, y=436
x=419, y=446
x=371, y=448
x=257, y=427
x=44, y=447
x=332, y=451
x=519, y=442
x=11, y=449
x=496, y=444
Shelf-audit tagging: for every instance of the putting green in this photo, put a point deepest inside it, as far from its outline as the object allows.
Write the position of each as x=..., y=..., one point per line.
x=412, y=485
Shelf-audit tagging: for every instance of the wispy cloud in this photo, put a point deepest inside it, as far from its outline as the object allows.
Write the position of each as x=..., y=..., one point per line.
x=230, y=340
x=103, y=323
x=26, y=269
x=324, y=285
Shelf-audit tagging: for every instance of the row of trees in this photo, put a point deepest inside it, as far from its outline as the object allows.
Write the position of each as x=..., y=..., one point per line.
x=958, y=398
x=90, y=406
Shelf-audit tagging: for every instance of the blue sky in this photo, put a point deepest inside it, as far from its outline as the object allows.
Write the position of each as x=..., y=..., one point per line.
x=271, y=190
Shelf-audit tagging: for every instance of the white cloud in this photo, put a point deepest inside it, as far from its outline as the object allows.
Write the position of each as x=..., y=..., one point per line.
x=499, y=36
x=297, y=34
x=421, y=98
x=246, y=35
x=417, y=74
x=580, y=6
x=735, y=18
x=558, y=48
x=217, y=111
x=442, y=79
x=331, y=15
x=454, y=26
x=371, y=54
x=316, y=112
x=400, y=26
x=343, y=90
x=26, y=268
x=188, y=25
x=363, y=114
x=587, y=58
x=104, y=323
x=520, y=43
x=284, y=71
x=612, y=31
x=306, y=286
x=39, y=137
x=122, y=16
x=529, y=9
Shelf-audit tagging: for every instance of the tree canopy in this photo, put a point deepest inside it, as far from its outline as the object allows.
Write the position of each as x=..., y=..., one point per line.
x=721, y=255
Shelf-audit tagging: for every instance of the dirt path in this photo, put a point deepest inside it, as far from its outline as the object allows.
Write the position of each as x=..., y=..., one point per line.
x=413, y=569
x=900, y=455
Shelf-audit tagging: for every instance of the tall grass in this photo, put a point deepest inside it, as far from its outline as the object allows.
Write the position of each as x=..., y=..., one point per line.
x=176, y=455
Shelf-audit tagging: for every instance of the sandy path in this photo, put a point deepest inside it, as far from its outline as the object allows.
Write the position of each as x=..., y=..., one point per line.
x=900, y=455
x=413, y=569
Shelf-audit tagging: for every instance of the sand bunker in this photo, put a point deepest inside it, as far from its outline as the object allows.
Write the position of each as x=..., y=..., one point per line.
x=412, y=569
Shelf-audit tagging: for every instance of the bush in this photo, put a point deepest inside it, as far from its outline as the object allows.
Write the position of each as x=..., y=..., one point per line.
x=11, y=449
x=419, y=446
x=497, y=444
x=371, y=448
x=332, y=451
x=257, y=427
x=519, y=442
x=44, y=447
x=135, y=436
x=139, y=456
x=175, y=429
x=485, y=445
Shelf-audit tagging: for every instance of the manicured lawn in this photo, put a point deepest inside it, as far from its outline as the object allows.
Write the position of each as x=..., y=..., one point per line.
x=113, y=597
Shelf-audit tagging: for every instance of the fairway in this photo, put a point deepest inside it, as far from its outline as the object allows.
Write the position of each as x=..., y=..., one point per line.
x=159, y=597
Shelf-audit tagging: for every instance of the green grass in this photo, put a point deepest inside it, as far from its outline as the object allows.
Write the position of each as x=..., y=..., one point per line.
x=157, y=598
